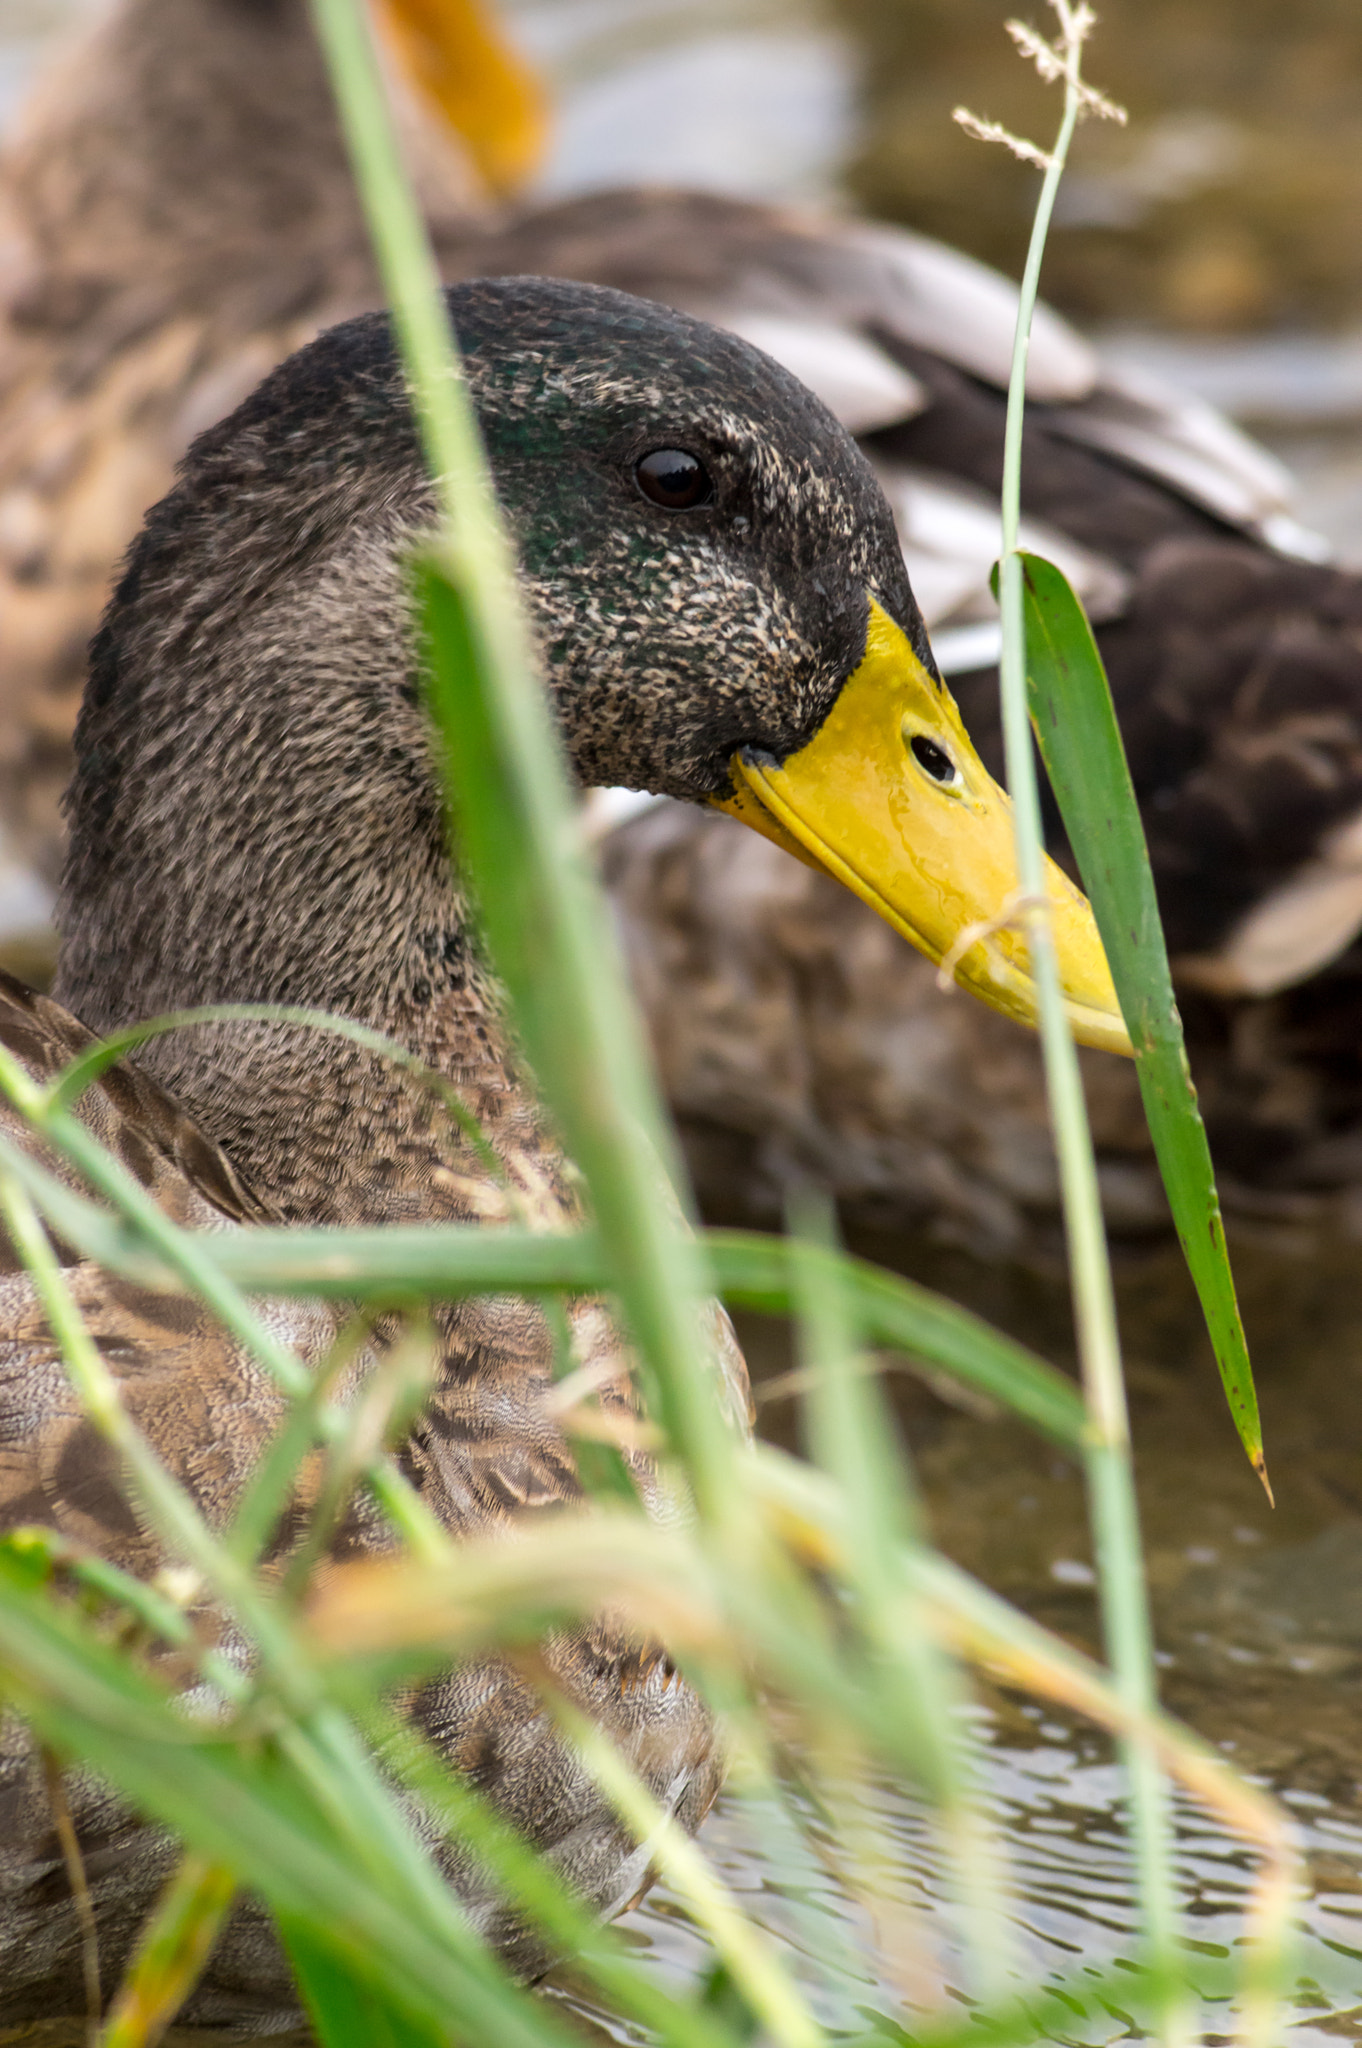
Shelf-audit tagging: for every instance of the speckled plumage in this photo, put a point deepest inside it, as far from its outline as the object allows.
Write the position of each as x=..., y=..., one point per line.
x=254, y=817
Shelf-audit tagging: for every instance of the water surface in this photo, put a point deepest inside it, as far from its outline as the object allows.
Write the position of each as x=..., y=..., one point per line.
x=1258, y=1619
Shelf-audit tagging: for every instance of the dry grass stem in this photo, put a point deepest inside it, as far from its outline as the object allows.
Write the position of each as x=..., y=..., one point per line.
x=994, y=131
x=1054, y=61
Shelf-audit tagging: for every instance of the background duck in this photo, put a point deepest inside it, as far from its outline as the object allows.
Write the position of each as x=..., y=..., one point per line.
x=256, y=816
x=217, y=245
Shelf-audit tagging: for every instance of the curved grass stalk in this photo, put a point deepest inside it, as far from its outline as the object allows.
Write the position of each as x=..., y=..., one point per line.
x=755, y=1965
x=66, y=1089
x=1111, y=1487
x=396, y=1265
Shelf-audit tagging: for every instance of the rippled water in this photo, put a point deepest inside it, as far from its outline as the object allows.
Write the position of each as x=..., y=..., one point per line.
x=1056, y=1797
x=1258, y=1618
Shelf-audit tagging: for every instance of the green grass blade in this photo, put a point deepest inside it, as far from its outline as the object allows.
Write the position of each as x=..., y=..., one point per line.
x=86, y=1068
x=757, y=1966
x=503, y=764
x=851, y=1434
x=400, y=1263
x=414, y=1262
x=552, y=943
x=1080, y=742
x=1111, y=1486
x=346, y=2008
x=531, y=1883
x=407, y=1263
x=245, y=1805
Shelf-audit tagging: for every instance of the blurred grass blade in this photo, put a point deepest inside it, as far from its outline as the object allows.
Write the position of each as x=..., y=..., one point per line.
x=175, y=1945
x=547, y=927
x=1080, y=742
x=532, y=1884
x=758, y=1968
x=87, y=1067
x=756, y=1271
x=851, y=1434
x=407, y=1263
x=553, y=945
x=345, y=2008
x=248, y=1806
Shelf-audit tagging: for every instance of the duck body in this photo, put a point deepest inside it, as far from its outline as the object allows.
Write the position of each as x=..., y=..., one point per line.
x=164, y=263
x=256, y=816
x=176, y=216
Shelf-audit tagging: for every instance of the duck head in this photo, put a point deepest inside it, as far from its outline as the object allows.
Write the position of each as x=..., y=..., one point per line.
x=727, y=619
x=718, y=592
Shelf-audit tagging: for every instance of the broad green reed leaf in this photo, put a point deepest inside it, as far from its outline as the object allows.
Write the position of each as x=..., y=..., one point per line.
x=1113, y=1512
x=1080, y=743
x=348, y=2008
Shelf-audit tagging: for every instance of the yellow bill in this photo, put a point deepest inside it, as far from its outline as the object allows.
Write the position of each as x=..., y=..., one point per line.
x=457, y=57
x=891, y=798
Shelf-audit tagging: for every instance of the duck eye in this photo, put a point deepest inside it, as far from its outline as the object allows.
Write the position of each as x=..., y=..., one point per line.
x=933, y=759
x=673, y=478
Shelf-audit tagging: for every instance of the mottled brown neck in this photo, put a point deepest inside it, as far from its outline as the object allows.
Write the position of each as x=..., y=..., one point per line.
x=327, y=1130
x=335, y=1134
x=257, y=821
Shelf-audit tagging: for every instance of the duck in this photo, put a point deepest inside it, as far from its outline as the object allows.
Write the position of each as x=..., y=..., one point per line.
x=791, y=1034
x=714, y=579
